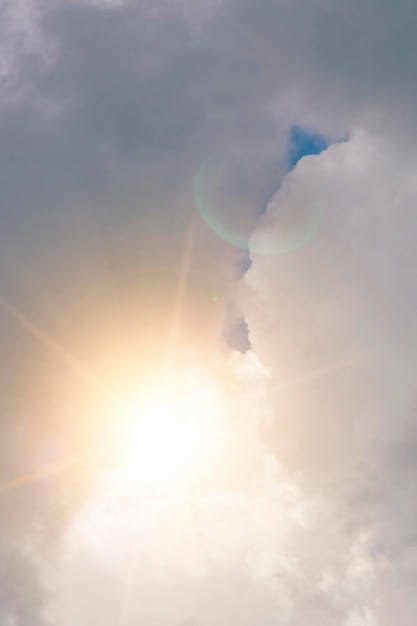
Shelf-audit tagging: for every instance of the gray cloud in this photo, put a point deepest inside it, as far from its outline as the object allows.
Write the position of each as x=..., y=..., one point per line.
x=107, y=113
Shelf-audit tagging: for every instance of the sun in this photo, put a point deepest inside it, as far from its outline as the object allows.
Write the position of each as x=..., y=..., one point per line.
x=169, y=435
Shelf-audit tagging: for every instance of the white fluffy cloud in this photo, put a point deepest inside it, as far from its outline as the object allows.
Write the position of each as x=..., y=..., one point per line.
x=334, y=322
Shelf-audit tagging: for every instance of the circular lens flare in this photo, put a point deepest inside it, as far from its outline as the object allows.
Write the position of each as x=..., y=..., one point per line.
x=296, y=222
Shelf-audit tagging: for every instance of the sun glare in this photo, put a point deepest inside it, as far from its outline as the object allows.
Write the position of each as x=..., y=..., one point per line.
x=169, y=435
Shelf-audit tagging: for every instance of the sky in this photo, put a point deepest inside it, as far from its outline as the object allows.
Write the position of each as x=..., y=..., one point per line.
x=207, y=312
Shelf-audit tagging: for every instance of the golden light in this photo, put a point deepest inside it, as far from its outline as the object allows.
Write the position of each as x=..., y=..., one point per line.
x=169, y=435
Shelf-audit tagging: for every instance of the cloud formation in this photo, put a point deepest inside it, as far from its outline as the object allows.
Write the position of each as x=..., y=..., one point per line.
x=108, y=112
x=334, y=324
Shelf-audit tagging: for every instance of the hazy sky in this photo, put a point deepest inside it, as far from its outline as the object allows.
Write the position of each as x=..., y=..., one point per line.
x=228, y=186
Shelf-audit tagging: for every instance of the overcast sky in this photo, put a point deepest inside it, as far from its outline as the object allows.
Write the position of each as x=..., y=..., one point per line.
x=265, y=150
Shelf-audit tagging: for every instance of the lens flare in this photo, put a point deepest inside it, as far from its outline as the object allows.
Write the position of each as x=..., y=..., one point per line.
x=295, y=223
x=218, y=212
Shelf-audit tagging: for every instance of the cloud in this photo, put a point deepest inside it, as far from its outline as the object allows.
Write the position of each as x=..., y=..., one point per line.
x=108, y=112
x=332, y=322
x=257, y=548
x=266, y=539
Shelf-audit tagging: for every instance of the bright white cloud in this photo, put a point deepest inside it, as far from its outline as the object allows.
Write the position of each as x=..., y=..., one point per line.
x=333, y=323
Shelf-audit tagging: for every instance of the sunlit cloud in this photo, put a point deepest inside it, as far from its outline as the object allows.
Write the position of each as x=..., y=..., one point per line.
x=207, y=297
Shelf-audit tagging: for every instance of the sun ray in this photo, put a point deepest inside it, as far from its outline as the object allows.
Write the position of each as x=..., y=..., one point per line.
x=325, y=370
x=180, y=296
x=53, y=469
x=74, y=363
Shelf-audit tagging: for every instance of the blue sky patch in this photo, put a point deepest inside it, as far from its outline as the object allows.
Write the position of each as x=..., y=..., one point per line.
x=303, y=142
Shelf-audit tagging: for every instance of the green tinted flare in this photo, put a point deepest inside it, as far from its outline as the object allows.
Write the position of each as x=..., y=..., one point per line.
x=295, y=227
